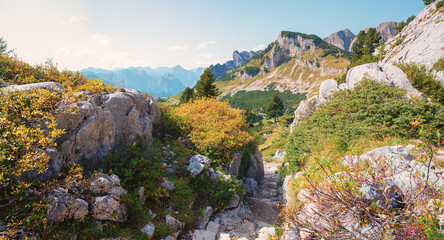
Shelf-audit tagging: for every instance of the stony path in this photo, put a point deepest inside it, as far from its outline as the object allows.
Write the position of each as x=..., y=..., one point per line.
x=254, y=218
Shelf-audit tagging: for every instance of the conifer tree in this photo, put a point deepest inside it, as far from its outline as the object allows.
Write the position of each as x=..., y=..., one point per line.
x=205, y=86
x=187, y=95
x=275, y=107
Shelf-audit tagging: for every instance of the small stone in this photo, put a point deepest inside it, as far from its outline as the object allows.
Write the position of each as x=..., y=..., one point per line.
x=166, y=183
x=149, y=230
x=203, y=220
x=204, y=235
x=213, y=227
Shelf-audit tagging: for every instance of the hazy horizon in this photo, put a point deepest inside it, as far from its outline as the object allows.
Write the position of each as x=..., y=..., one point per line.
x=196, y=33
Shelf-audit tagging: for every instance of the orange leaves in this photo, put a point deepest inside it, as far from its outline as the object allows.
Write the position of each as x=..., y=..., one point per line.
x=215, y=128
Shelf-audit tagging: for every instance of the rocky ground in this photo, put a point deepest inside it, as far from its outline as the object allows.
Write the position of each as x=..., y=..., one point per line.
x=254, y=218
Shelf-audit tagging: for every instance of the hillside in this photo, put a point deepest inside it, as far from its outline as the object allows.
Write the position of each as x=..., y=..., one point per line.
x=295, y=62
x=239, y=58
x=159, y=82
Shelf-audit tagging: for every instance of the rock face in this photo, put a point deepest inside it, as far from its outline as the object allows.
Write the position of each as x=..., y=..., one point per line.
x=387, y=30
x=384, y=73
x=342, y=39
x=93, y=130
x=422, y=40
x=239, y=58
x=289, y=46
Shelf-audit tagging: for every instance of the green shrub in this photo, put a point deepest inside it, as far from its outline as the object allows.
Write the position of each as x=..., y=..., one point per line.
x=424, y=80
x=370, y=110
x=252, y=71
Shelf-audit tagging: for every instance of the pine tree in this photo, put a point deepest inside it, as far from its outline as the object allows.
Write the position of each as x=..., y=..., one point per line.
x=275, y=107
x=205, y=86
x=187, y=95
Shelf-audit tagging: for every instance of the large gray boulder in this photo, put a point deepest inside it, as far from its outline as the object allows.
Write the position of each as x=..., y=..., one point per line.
x=384, y=73
x=305, y=109
x=256, y=169
x=92, y=131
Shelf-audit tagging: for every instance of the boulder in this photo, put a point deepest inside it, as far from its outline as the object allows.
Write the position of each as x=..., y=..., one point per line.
x=234, y=166
x=387, y=194
x=305, y=109
x=198, y=163
x=213, y=227
x=326, y=89
x=109, y=208
x=31, y=86
x=176, y=225
x=251, y=187
x=149, y=230
x=204, y=218
x=256, y=169
x=279, y=154
x=62, y=205
x=234, y=202
x=204, y=235
x=384, y=73
x=91, y=131
x=106, y=185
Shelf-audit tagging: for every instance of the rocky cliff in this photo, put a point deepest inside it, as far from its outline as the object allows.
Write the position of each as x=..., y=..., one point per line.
x=296, y=62
x=239, y=58
x=422, y=41
x=342, y=39
x=387, y=30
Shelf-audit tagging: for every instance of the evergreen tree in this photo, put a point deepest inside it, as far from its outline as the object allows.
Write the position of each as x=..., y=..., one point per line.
x=187, y=95
x=427, y=2
x=364, y=47
x=205, y=86
x=275, y=107
x=249, y=115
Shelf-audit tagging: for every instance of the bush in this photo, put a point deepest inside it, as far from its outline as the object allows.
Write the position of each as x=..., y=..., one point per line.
x=216, y=129
x=252, y=71
x=424, y=80
x=370, y=110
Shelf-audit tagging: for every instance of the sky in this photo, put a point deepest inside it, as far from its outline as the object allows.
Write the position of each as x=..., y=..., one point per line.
x=109, y=34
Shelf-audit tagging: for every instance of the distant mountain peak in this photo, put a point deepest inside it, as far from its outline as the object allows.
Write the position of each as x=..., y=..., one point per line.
x=239, y=58
x=342, y=39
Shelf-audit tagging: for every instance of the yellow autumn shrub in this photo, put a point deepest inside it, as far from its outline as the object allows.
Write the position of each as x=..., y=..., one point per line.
x=216, y=129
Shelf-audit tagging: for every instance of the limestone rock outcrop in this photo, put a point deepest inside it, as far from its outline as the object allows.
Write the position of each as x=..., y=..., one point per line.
x=422, y=41
x=239, y=58
x=198, y=163
x=108, y=205
x=95, y=128
x=27, y=87
x=384, y=73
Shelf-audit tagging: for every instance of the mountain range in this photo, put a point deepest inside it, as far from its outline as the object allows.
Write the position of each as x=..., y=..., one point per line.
x=159, y=82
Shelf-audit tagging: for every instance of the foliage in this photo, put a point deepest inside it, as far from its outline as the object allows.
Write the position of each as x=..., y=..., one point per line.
x=427, y=2
x=403, y=24
x=4, y=47
x=187, y=95
x=257, y=100
x=15, y=71
x=27, y=125
x=275, y=107
x=440, y=4
x=341, y=79
x=216, y=129
x=364, y=47
x=439, y=65
x=370, y=110
x=205, y=87
x=249, y=116
x=424, y=80
x=252, y=71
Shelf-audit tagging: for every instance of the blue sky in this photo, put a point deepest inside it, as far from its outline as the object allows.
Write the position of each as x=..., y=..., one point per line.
x=123, y=33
